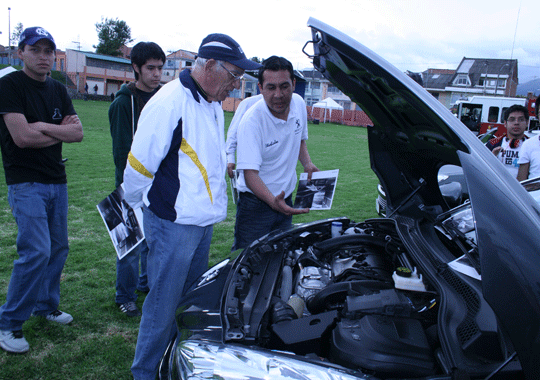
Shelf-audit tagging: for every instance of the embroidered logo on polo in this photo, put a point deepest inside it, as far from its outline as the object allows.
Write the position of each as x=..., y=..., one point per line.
x=268, y=145
x=298, y=128
x=57, y=115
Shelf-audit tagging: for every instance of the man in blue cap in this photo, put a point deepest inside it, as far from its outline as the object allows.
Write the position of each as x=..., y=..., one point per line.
x=37, y=117
x=176, y=172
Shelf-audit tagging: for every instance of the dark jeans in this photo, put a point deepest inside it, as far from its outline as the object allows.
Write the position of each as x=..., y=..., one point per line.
x=127, y=274
x=254, y=219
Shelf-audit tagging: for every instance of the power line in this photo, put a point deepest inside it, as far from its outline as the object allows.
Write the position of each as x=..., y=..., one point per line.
x=515, y=31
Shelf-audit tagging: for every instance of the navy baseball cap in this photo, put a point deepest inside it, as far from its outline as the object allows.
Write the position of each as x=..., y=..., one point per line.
x=32, y=35
x=223, y=48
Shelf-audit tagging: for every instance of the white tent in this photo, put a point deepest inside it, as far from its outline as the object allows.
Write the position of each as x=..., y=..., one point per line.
x=6, y=70
x=327, y=104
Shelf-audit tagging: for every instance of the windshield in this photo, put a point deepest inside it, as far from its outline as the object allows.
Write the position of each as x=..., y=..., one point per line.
x=471, y=115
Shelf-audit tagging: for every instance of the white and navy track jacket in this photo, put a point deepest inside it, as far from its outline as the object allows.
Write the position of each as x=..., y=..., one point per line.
x=177, y=161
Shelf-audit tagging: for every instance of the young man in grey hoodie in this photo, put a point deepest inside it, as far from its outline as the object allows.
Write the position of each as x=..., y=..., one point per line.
x=147, y=59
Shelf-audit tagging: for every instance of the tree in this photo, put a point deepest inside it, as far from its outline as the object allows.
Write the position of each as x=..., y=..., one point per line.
x=16, y=34
x=112, y=34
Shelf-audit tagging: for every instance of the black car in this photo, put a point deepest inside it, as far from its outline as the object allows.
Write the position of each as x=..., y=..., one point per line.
x=429, y=292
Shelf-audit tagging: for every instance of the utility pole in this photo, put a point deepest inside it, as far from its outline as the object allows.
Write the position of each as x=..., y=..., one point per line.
x=78, y=42
x=9, y=35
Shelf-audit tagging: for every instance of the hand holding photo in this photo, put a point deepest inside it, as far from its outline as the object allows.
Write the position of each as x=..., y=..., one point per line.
x=123, y=223
x=318, y=193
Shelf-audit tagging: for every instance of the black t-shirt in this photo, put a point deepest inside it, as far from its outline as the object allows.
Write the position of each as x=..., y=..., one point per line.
x=38, y=101
x=144, y=96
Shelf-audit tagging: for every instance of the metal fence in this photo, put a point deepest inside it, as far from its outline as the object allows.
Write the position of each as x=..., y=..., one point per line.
x=14, y=61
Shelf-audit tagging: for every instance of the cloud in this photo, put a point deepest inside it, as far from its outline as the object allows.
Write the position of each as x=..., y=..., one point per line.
x=411, y=34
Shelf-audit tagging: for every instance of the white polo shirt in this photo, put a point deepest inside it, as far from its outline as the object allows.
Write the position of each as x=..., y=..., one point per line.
x=271, y=145
x=530, y=153
x=230, y=144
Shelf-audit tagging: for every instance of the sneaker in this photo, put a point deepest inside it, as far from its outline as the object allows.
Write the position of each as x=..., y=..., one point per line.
x=59, y=317
x=130, y=309
x=13, y=341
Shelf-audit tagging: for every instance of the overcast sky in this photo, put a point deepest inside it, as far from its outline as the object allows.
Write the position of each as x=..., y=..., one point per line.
x=411, y=34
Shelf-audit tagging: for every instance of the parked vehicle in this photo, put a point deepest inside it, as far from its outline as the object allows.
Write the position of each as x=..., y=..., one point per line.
x=483, y=113
x=429, y=292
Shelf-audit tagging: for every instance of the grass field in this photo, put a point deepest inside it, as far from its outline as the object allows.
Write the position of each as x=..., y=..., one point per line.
x=100, y=343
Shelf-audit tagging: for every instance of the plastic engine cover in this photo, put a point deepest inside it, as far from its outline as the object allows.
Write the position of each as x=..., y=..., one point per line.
x=383, y=344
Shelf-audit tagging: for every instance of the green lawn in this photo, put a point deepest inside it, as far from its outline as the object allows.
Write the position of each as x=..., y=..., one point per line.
x=100, y=343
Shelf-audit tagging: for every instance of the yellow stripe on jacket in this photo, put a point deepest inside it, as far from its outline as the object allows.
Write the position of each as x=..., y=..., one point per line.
x=135, y=164
x=188, y=150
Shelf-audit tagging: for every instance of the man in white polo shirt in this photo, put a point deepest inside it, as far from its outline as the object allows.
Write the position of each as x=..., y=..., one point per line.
x=271, y=139
x=231, y=142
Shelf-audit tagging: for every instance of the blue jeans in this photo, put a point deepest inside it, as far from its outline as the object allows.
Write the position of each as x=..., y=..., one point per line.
x=254, y=219
x=127, y=274
x=177, y=256
x=40, y=211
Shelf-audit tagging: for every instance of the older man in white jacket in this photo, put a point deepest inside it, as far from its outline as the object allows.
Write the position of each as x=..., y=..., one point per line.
x=176, y=171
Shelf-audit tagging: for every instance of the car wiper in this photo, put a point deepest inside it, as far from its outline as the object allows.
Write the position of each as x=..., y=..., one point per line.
x=460, y=240
x=510, y=358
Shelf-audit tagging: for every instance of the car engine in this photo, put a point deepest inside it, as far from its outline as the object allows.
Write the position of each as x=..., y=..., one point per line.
x=353, y=300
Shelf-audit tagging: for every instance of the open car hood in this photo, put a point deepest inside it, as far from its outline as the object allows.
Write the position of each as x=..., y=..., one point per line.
x=412, y=136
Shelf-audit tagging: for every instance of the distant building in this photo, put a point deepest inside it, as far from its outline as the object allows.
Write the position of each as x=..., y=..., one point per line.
x=318, y=88
x=9, y=56
x=106, y=72
x=178, y=61
x=435, y=81
x=249, y=87
x=314, y=86
x=473, y=76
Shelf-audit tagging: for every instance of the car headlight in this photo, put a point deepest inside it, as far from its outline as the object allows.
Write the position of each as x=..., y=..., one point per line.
x=203, y=360
x=211, y=273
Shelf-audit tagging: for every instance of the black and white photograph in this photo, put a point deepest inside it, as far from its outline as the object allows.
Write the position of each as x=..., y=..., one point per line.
x=123, y=223
x=318, y=193
x=234, y=189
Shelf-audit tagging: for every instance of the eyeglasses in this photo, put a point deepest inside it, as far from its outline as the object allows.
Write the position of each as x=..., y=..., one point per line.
x=519, y=119
x=235, y=76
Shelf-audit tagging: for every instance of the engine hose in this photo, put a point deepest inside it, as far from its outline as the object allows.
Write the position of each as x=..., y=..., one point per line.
x=337, y=293
x=328, y=245
x=286, y=283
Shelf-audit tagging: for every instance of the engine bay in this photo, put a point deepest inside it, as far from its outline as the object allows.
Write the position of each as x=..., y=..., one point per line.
x=354, y=300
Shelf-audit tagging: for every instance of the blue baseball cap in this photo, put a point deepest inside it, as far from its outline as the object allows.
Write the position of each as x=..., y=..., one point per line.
x=34, y=34
x=223, y=48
